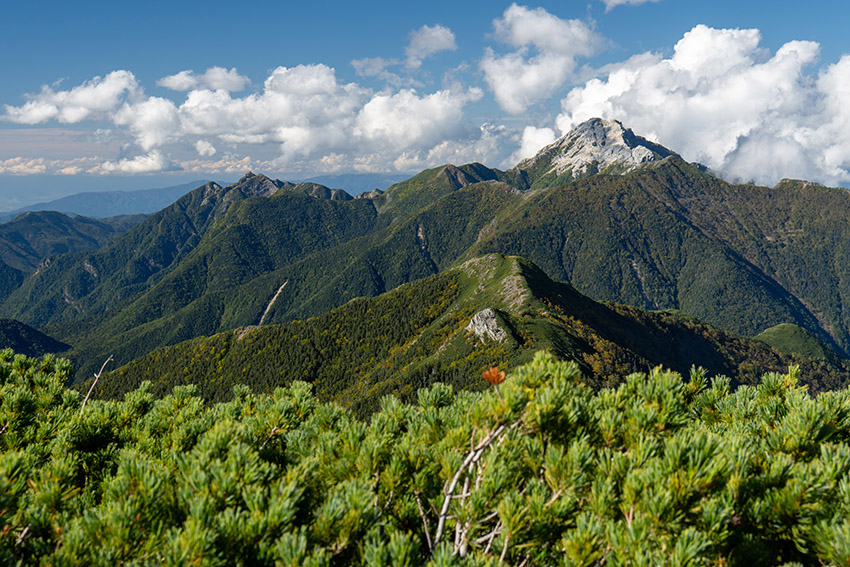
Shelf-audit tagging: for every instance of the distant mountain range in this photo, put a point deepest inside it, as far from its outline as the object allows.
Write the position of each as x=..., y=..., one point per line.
x=357, y=183
x=618, y=217
x=99, y=204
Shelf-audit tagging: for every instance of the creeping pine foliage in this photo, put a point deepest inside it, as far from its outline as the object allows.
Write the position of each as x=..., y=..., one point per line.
x=660, y=471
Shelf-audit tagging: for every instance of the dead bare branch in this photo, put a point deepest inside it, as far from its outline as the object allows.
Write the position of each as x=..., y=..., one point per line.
x=424, y=522
x=93, y=384
x=471, y=458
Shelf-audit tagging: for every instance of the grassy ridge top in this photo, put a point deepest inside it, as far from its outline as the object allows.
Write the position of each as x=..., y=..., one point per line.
x=792, y=339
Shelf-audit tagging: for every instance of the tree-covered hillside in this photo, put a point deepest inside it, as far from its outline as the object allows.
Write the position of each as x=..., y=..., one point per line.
x=79, y=286
x=660, y=235
x=449, y=328
x=544, y=471
x=25, y=340
x=30, y=241
x=637, y=239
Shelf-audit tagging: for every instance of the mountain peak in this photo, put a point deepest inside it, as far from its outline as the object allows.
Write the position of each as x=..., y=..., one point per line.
x=252, y=185
x=594, y=146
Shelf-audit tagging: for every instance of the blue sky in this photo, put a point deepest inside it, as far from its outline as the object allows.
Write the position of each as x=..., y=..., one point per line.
x=127, y=95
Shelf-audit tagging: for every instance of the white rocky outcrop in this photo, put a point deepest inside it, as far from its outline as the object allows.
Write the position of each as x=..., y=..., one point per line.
x=598, y=143
x=485, y=326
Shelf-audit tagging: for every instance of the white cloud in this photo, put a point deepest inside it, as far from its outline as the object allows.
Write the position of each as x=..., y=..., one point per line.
x=147, y=163
x=300, y=117
x=302, y=80
x=405, y=119
x=214, y=78
x=486, y=145
x=427, y=41
x=303, y=109
x=153, y=121
x=532, y=141
x=379, y=67
x=520, y=78
x=227, y=165
x=724, y=101
x=204, y=148
x=611, y=4
x=70, y=170
x=372, y=66
x=31, y=166
x=92, y=99
x=182, y=81
x=23, y=166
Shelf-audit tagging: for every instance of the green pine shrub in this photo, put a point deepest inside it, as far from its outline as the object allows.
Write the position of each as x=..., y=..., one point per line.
x=546, y=471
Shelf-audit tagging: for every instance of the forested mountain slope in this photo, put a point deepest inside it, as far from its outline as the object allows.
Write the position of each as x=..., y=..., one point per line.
x=25, y=340
x=87, y=285
x=492, y=310
x=643, y=239
x=30, y=237
x=791, y=339
x=618, y=217
x=31, y=240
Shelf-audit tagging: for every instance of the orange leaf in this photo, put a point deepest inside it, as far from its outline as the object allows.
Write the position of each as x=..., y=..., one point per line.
x=493, y=375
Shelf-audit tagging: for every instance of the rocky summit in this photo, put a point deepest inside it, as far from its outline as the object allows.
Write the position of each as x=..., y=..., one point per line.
x=594, y=146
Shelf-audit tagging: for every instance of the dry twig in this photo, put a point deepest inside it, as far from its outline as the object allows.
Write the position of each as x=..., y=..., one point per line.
x=471, y=458
x=93, y=384
x=425, y=522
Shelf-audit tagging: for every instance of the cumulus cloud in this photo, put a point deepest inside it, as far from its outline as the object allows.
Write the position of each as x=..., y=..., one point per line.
x=532, y=140
x=372, y=66
x=302, y=116
x=547, y=49
x=204, y=148
x=427, y=41
x=302, y=80
x=31, y=166
x=611, y=4
x=486, y=145
x=214, y=78
x=423, y=43
x=405, y=119
x=92, y=99
x=23, y=166
x=147, y=163
x=722, y=100
x=227, y=165
x=153, y=121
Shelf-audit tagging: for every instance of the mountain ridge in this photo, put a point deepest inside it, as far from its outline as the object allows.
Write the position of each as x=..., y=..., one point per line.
x=661, y=235
x=25, y=340
x=449, y=327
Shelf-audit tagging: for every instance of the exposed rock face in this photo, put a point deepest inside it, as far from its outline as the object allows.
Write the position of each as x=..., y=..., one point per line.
x=596, y=144
x=370, y=194
x=457, y=177
x=252, y=185
x=485, y=326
